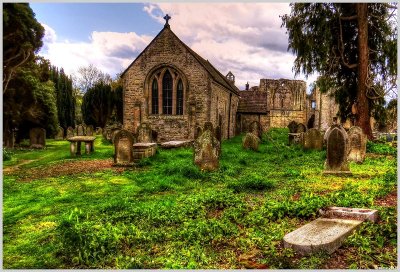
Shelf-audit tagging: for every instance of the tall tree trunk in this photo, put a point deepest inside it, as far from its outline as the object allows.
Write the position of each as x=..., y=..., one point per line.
x=362, y=116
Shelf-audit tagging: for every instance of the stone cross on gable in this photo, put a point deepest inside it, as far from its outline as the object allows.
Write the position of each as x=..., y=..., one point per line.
x=167, y=17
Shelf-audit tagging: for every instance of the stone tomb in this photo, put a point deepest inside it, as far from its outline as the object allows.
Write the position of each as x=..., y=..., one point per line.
x=313, y=139
x=337, y=150
x=357, y=144
x=250, y=141
x=207, y=149
x=80, y=130
x=327, y=234
x=60, y=134
x=123, y=148
x=70, y=132
x=256, y=128
x=37, y=137
x=89, y=130
x=143, y=150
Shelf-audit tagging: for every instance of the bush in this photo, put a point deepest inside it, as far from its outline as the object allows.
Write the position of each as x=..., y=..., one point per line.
x=7, y=154
x=381, y=148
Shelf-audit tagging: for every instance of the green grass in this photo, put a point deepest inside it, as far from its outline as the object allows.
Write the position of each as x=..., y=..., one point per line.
x=166, y=213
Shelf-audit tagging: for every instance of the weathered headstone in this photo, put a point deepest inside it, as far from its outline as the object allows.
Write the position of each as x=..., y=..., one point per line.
x=60, y=134
x=123, y=148
x=89, y=130
x=207, y=149
x=301, y=128
x=337, y=150
x=144, y=133
x=292, y=127
x=113, y=133
x=99, y=130
x=357, y=144
x=70, y=132
x=37, y=137
x=256, y=128
x=80, y=130
x=250, y=141
x=313, y=139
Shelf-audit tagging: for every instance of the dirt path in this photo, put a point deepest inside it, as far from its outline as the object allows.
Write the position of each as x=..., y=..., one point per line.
x=15, y=168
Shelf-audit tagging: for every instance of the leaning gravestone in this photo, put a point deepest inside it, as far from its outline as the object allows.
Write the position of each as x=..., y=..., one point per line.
x=89, y=130
x=37, y=137
x=256, y=128
x=80, y=130
x=70, y=132
x=301, y=128
x=357, y=144
x=337, y=150
x=123, y=148
x=207, y=149
x=250, y=141
x=313, y=139
x=292, y=127
x=144, y=133
x=60, y=134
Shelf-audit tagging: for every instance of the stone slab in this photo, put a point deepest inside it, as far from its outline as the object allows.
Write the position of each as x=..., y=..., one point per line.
x=143, y=145
x=176, y=144
x=322, y=234
x=81, y=138
x=350, y=213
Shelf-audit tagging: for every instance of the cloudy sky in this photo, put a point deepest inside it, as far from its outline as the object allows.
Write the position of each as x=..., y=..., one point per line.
x=245, y=38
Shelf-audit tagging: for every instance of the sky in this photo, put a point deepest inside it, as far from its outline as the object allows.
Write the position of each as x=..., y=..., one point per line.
x=244, y=38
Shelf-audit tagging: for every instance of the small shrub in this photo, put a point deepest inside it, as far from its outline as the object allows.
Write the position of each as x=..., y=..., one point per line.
x=7, y=154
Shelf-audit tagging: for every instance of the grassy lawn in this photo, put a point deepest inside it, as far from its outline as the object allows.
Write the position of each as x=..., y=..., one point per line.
x=63, y=212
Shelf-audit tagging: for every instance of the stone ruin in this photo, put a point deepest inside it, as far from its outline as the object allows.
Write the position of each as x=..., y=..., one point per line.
x=123, y=148
x=207, y=149
x=337, y=151
x=295, y=132
x=256, y=128
x=357, y=144
x=89, y=130
x=60, y=134
x=250, y=141
x=313, y=139
x=70, y=132
x=37, y=137
x=80, y=130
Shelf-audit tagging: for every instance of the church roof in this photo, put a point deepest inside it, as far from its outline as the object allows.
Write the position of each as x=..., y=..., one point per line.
x=213, y=72
x=253, y=102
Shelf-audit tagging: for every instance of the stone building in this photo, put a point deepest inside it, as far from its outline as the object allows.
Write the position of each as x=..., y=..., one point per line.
x=174, y=90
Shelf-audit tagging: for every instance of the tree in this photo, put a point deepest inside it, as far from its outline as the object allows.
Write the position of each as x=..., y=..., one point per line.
x=352, y=46
x=89, y=76
x=22, y=37
x=97, y=105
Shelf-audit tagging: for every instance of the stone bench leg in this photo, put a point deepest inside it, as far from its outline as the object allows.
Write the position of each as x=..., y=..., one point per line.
x=88, y=147
x=92, y=146
x=72, y=148
x=78, y=148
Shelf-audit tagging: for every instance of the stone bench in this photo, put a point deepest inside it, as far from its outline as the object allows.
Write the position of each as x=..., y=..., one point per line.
x=143, y=150
x=75, y=146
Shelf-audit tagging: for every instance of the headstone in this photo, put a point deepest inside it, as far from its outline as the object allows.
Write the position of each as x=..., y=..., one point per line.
x=313, y=139
x=207, y=149
x=60, y=134
x=144, y=133
x=337, y=150
x=113, y=133
x=99, y=130
x=250, y=141
x=89, y=130
x=123, y=148
x=80, y=130
x=301, y=128
x=37, y=137
x=256, y=129
x=357, y=144
x=292, y=127
x=70, y=132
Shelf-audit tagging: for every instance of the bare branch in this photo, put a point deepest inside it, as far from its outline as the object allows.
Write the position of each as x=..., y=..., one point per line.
x=8, y=76
x=341, y=50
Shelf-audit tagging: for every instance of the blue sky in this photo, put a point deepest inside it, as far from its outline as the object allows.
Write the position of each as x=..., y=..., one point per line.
x=245, y=38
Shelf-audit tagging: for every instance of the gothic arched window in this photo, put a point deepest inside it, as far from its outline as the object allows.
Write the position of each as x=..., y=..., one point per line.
x=179, y=98
x=154, y=97
x=167, y=93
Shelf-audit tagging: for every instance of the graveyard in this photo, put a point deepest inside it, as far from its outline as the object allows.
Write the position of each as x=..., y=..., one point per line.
x=165, y=212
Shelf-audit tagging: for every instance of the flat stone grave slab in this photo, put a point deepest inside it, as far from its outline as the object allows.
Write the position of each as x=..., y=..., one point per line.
x=143, y=150
x=176, y=144
x=327, y=234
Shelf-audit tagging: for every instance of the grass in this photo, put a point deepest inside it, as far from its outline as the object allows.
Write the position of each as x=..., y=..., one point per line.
x=166, y=213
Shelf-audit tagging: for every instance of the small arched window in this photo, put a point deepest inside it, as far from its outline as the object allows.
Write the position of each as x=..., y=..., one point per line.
x=167, y=93
x=154, y=97
x=179, y=98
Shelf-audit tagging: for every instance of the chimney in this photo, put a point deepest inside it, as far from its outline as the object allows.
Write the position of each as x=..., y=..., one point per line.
x=247, y=86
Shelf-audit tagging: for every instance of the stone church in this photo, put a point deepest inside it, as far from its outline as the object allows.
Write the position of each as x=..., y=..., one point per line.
x=175, y=91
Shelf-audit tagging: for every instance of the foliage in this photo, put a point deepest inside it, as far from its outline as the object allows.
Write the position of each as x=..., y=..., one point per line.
x=381, y=148
x=7, y=154
x=89, y=76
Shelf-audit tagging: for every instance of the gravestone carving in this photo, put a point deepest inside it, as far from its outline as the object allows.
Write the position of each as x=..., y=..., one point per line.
x=357, y=144
x=250, y=141
x=70, y=132
x=60, y=134
x=144, y=133
x=207, y=149
x=256, y=129
x=37, y=137
x=123, y=148
x=80, y=130
x=292, y=127
x=89, y=130
x=313, y=139
x=337, y=150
